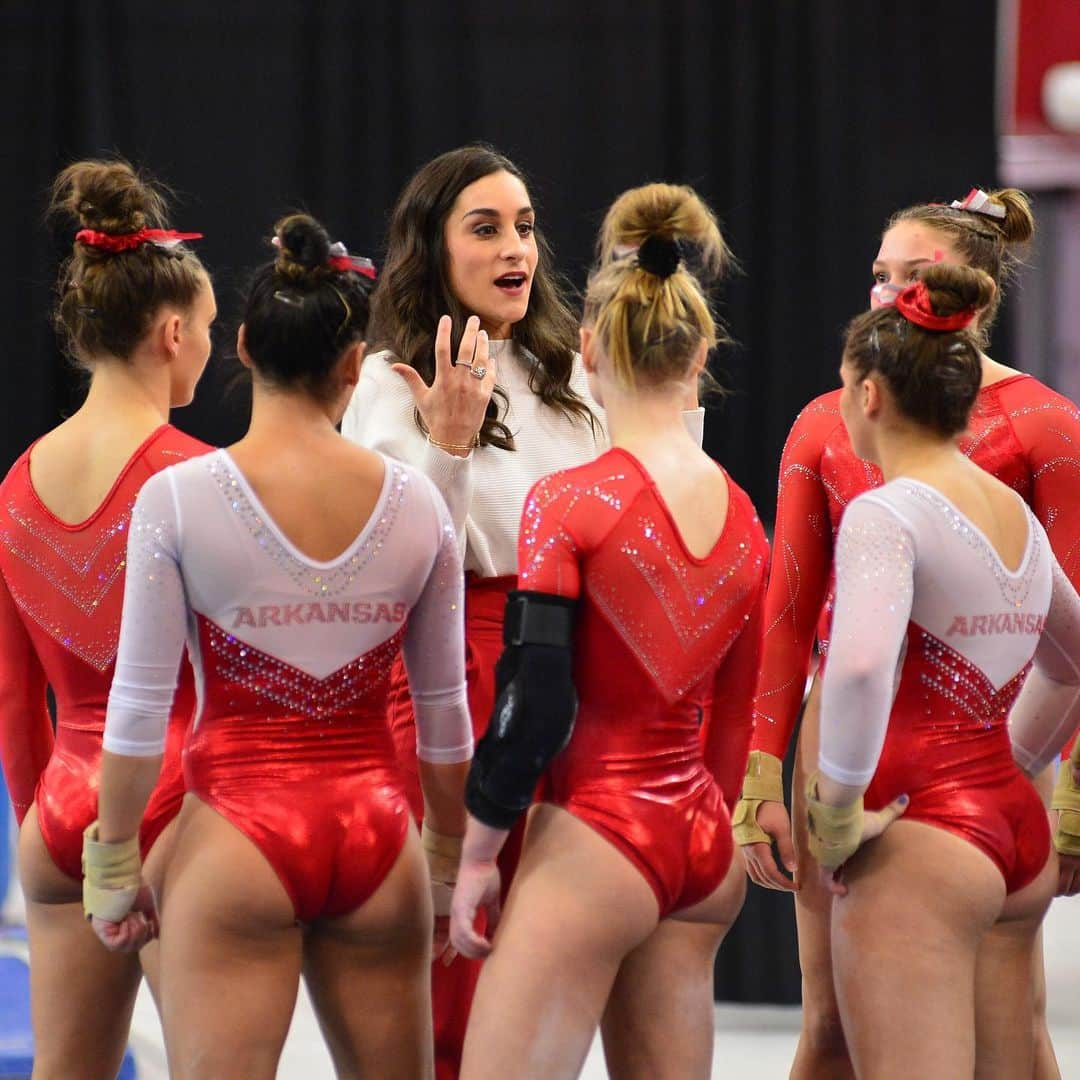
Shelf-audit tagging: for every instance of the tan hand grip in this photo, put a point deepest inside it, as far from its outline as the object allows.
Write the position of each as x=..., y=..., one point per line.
x=112, y=874
x=1066, y=801
x=834, y=831
x=443, y=855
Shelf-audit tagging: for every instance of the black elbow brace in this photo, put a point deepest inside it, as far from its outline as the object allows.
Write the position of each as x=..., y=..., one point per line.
x=535, y=705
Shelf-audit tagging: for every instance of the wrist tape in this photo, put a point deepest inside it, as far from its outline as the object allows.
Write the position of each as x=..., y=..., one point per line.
x=443, y=854
x=834, y=831
x=764, y=779
x=112, y=874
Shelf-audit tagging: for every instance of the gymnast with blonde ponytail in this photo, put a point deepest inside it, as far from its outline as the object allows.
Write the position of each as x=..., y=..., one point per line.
x=635, y=627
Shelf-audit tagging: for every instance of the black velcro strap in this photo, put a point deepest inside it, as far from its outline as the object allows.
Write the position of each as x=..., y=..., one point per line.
x=538, y=619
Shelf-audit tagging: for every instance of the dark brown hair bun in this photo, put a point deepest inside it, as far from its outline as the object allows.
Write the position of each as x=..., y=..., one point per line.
x=106, y=299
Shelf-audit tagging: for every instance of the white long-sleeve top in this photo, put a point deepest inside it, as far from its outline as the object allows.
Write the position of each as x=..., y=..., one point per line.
x=208, y=565
x=905, y=554
x=485, y=491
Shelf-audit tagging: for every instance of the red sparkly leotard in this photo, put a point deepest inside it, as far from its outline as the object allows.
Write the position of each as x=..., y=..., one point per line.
x=663, y=641
x=933, y=636
x=291, y=656
x=1020, y=431
x=61, y=591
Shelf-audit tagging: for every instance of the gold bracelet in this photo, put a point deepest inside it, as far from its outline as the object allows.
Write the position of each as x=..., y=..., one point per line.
x=452, y=447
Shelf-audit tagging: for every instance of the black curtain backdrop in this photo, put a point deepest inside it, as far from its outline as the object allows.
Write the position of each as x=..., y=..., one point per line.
x=803, y=123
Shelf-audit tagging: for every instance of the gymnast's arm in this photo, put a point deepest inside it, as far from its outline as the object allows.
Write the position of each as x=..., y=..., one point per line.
x=873, y=608
x=152, y=634
x=731, y=717
x=434, y=653
x=535, y=703
x=26, y=736
x=1046, y=716
x=1047, y=711
x=798, y=582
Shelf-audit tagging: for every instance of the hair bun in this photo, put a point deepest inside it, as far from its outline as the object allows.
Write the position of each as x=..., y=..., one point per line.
x=1018, y=225
x=954, y=288
x=109, y=197
x=665, y=213
x=659, y=255
x=304, y=246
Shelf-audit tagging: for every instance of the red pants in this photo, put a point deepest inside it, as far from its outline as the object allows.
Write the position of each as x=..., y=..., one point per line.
x=452, y=987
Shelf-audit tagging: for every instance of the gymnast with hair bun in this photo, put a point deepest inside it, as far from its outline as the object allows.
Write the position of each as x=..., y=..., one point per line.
x=635, y=622
x=1021, y=432
x=134, y=308
x=296, y=566
x=949, y=604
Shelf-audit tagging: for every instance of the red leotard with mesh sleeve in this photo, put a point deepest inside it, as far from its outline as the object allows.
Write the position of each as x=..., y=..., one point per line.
x=292, y=658
x=1020, y=431
x=662, y=640
x=933, y=637
x=61, y=591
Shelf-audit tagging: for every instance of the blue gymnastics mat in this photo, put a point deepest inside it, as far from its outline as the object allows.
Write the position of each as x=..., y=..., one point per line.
x=16, y=1040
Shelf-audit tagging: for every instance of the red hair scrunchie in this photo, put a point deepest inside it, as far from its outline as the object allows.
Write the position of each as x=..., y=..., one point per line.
x=914, y=304
x=115, y=242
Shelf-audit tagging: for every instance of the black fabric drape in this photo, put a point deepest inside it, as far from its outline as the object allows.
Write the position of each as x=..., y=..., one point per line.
x=804, y=124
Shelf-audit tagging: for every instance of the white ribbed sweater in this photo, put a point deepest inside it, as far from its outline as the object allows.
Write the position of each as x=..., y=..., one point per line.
x=486, y=490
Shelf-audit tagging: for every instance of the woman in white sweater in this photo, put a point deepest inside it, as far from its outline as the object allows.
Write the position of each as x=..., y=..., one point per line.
x=474, y=378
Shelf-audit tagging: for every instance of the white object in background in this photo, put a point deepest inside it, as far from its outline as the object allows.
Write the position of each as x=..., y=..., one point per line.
x=1061, y=96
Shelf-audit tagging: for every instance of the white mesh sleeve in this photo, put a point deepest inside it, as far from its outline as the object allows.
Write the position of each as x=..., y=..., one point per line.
x=1047, y=711
x=434, y=651
x=875, y=567
x=153, y=627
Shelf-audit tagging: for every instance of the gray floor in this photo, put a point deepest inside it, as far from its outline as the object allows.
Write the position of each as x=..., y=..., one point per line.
x=752, y=1042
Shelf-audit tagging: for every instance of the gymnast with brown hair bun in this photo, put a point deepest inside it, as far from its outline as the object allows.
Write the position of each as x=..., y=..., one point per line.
x=134, y=308
x=1020, y=431
x=946, y=591
x=295, y=852
x=636, y=619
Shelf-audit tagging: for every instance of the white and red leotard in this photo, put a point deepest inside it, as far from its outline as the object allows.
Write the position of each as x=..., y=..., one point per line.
x=1020, y=431
x=292, y=659
x=932, y=638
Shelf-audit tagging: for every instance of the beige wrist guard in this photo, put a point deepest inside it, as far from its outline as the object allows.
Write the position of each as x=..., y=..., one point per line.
x=763, y=782
x=834, y=831
x=443, y=855
x=112, y=875
x=1066, y=801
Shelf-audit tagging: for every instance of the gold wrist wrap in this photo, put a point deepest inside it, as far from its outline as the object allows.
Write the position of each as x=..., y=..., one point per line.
x=764, y=779
x=112, y=874
x=1066, y=802
x=763, y=782
x=443, y=855
x=834, y=831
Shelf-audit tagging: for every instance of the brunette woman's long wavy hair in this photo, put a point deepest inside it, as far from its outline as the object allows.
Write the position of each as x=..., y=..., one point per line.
x=414, y=292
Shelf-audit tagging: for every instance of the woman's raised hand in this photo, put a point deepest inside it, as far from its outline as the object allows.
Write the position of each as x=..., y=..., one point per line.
x=453, y=406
